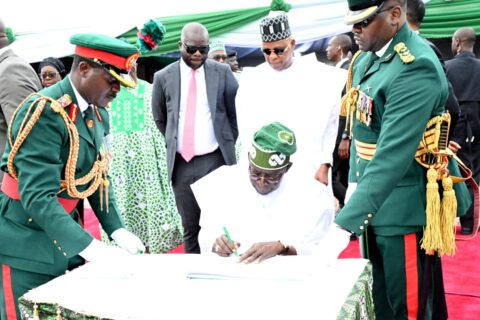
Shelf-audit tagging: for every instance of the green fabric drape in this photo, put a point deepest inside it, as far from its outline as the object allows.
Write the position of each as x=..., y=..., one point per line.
x=217, y=23
x=443, y=18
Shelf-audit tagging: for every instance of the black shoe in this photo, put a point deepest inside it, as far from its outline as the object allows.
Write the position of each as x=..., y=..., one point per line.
x=466, y=230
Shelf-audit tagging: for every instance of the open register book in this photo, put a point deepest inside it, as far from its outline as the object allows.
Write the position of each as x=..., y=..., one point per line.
x=289, y=268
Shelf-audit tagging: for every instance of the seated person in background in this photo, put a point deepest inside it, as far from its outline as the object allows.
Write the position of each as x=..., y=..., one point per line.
x=51, y=70
x=267, y=213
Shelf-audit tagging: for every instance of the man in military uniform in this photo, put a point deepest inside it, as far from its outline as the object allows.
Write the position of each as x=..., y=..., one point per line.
x=55, y=156
x=396, y=86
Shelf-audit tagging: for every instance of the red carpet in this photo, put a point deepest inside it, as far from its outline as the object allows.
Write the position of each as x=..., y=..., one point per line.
x=461, y=275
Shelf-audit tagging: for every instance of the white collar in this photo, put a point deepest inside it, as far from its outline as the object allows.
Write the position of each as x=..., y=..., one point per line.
x=339, y=63
x=184, y=68
x=82, y=103
x=4, y=49
x=385, y=47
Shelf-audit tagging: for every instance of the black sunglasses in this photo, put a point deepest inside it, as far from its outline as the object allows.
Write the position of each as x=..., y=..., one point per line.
x=278, y=51
x=48, y=74
x=193, y=49
x=364, y=23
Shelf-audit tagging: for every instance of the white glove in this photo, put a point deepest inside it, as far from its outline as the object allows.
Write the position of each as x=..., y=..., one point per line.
x=128, y=241
x=351, y=188
x=98, y=250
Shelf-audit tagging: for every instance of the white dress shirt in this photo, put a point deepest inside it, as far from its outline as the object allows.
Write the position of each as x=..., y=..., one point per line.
x=205, y=140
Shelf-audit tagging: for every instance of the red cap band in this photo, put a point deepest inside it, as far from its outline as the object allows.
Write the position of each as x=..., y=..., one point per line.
x=124, y=63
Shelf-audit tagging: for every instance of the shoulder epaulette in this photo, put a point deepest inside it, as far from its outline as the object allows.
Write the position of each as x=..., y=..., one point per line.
x=404, y=53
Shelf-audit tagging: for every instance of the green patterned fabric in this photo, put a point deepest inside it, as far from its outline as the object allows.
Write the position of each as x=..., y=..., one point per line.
x=139, y=171
x=49, y=311
x=359, y=303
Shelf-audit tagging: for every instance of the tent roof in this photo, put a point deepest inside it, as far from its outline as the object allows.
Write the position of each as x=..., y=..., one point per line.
x=43, y=30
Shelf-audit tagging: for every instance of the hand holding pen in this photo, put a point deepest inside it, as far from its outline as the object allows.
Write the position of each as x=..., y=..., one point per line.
x=224, y=245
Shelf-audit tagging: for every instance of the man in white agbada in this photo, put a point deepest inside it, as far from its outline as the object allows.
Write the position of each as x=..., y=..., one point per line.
x=266, y=212
x=299, y=92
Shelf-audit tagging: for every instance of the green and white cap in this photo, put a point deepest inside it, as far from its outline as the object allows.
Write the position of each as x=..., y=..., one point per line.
x=272, y=147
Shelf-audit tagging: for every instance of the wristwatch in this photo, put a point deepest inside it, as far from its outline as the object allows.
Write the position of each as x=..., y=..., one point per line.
x=345, y=135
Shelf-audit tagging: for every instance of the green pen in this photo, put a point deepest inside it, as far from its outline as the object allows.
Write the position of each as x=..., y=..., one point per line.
x=230, y=239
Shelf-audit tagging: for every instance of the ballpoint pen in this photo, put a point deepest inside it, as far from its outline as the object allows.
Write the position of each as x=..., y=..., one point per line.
x=230, y=240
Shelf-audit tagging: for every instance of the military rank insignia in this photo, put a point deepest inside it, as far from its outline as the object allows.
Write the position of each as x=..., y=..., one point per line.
x=404, y=53
x=364, y=108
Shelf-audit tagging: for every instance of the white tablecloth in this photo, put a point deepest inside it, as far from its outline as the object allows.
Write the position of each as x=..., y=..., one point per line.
x=157, y=287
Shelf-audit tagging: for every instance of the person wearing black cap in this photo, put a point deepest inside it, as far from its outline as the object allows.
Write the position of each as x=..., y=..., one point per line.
x=396, y=92
x=56, y=159
x=51, y=70
x=293, y=90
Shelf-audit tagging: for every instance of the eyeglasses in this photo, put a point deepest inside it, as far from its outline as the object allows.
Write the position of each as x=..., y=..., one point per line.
x=48, y=74
x=193, y=49
x=219, y=57
x=268, y=178
x=278, y=51
x=364, y=23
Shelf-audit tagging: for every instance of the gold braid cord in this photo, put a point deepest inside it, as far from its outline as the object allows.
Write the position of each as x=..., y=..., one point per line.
x=347, y=106
x=433, y=154
x=97, y=177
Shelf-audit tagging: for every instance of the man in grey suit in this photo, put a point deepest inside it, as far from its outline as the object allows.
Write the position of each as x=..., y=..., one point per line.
x=18, y=80
x=197, y=142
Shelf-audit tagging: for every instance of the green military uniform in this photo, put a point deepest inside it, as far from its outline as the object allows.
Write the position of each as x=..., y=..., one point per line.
x=39, y=240
x=398, y=93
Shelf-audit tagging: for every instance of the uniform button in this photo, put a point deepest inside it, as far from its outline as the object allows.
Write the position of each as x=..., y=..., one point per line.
x=366, y=221
x=60, y=248
x=65, y=254
x=361, y=228
x=370, y=215
x=358, y=160
x=358, y=174
x=30, y=219
x=55, y=241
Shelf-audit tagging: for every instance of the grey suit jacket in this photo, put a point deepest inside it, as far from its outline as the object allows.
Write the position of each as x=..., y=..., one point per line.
x=221, y=91
x=17, y=81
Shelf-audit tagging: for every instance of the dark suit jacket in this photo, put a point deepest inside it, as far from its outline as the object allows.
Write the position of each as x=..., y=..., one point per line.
x=463, y=71
x=452, y=104
x=18, y=80
x=221, y=91
x=36, y=234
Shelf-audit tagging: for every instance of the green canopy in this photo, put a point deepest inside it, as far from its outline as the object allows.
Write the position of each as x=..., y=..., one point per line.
x=217, y=23
x=444, y=17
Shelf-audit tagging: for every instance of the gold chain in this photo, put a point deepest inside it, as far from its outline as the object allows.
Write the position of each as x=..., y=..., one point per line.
x=97, y=175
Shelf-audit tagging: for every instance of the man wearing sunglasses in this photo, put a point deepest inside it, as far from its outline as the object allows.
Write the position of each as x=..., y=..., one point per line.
x=193, y=105
x=397, y=87
x=297, y=91
x=271, y=212
x=56, y=160
x=17, y=82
